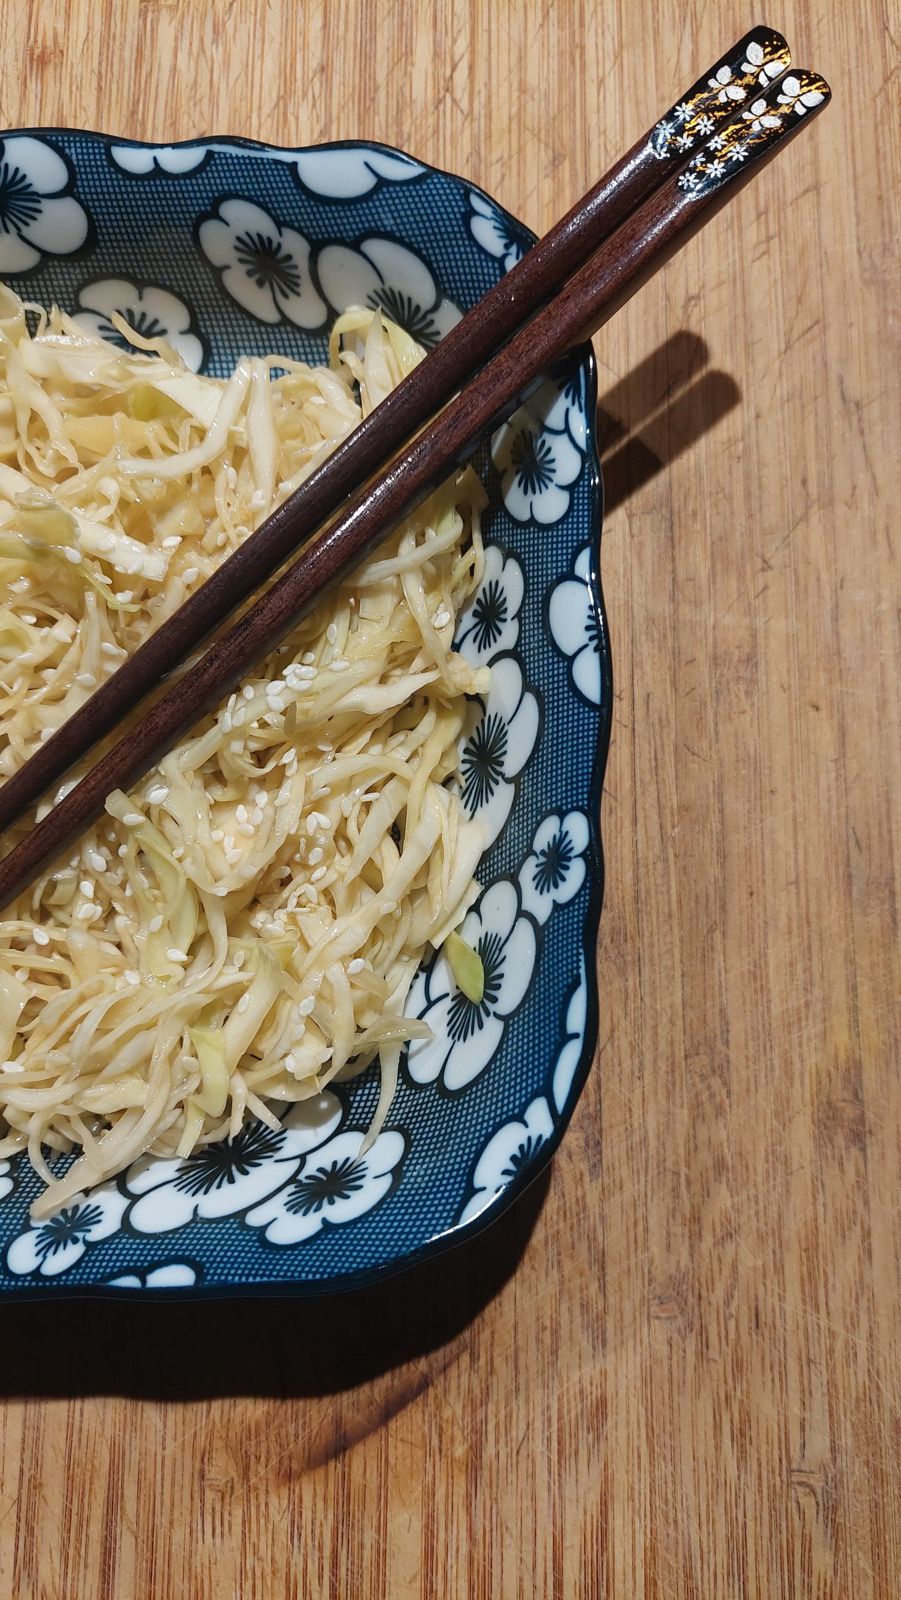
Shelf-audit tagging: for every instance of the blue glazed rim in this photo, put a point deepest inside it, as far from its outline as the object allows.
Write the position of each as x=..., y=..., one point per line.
x=464, y=1232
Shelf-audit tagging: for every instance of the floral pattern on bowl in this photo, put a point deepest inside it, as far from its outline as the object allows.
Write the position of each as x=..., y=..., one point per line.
x=226, y=247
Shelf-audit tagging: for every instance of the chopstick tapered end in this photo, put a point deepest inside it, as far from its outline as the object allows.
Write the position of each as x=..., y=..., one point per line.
x=746, y=70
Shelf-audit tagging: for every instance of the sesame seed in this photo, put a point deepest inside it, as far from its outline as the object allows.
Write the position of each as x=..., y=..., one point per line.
x=248, y=691
x=157, y=795
x=318, y=875
x=190, y=574
x=111, y=649
x=96, y=859
x=155, y=923
x=257, y=500
x=29, y=618
x=12, y=1066
x=231, y=477
x=240, y=957
x=174, y=954
x=441, y=618
x=72, y=555
x=256, y=816
x=225, y=724
x=241, y=813
x=236, y=746
x=220, y=540
x=86, y=912
x=229, y=841
x=355, y=966
x=314, y=857
x=243, y=1003
x=132, y=977
x=132, y=819
x=233, y=856
x=20, y=974
x=277, y=686
x=307, y=657
x=217, y=836
x=122, y=850
x=331, y=633
x=40, y=936
x=87, y=888
x=306, y=1006
x=341, y=665
x=125, y=595
x=172, y=542
x=21, y=585
x=290, y=1062
x=247, y=829
x=46, y=733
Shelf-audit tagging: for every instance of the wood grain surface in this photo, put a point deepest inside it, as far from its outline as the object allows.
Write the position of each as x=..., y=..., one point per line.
x=672, y=1371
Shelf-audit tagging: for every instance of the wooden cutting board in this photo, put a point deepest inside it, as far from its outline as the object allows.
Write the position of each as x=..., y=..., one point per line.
x=672, y=1372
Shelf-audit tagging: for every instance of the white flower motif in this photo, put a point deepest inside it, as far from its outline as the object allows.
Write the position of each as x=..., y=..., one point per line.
x=168, y=1275
x=685, y=141
x=538, y=464
x=38, y=216
x=706, y=125
x=690, y=179
x=682, y=111
x=800, y=101
x=140, y=160
x=56, y=1244
x=760, y=116
x=220, y=1180
x=716, y=168
x=738, y=153
x=724, y=87
x=499, y=739
x=489, y=624
x=755, y=62
x=554, y=870
x=264, y=266
x=575, y=627
x=571, y=1053
x=153, y=312
x=337, y=1184
x=717, y=142
x=493, y=231
x=389, y=277
x=466, y=1036
x=508, y=1152
x=7, y=1181
x=353, y=170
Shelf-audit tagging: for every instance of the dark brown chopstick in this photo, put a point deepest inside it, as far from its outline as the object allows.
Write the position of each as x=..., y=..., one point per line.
x=762, y=55
x=607, y=280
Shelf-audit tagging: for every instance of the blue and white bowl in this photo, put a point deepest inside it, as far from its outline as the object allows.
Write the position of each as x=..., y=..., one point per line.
x=228, y=247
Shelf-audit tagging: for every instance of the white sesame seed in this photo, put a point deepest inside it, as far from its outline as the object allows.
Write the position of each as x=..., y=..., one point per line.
x=126, y=596
x=40, y=936
x=12, y=1066
x=229, y=841
x=290, y=1062
x=155, y=923
x=47, y=733
x=339, y=666
x=157, y=795
x=87, y=888
x=306, y=1006
x=240, y=813
x=178, y=852
x=236, y=746
x=20, y=974
x=257, y=500
x=217, y=836
x=233, y=856
x=318, y=875
x=190, y=574
x=243, y=1003
x=72, y=555
x=226, y=724
x=248, y=691
x=108, y=649
x=231, y=477
x=172, y=542
x=321, y=819
x=220, y=540
x=122, y=850
x=96, y=859
x=247, y=829
x=131, y=976
x=441, y=618
x=132, y=819
x=331, y=633
x=174, y=954
x=307, y=657
x=240, y=957
x=29, y=618
x=256, y=816
x=86, y=912
x=314, y=857
x=355, y=966
x=21, y=585
x=277, y=686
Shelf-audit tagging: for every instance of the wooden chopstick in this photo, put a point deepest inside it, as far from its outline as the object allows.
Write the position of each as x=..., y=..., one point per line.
x=659, y=227
x=761, y=54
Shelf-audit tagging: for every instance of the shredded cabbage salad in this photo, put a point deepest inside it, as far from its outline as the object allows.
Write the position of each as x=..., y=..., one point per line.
x=245, y=925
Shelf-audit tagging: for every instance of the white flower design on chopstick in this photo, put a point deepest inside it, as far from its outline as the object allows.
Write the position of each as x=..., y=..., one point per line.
x=153, y=312
x=174, y=160
x=335, y=1184
x=576, y=629
x=489, y=625
x=507, y=1154
x=725, y=87
x=221, y=1180
x=499, y=739
x=38, y=214
x=755, y=61
x=494, y=232
x=554, y=870
x=388, y=277
x=466, y=1035
x=760, y=116
x=264, y=266
x=56, y=1244
x=800, y=101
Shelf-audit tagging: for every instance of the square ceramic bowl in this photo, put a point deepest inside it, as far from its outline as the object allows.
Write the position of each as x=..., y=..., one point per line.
x=227, y=247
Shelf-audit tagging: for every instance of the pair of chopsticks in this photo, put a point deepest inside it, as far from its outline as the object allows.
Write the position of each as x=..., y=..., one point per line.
x=697, y=157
